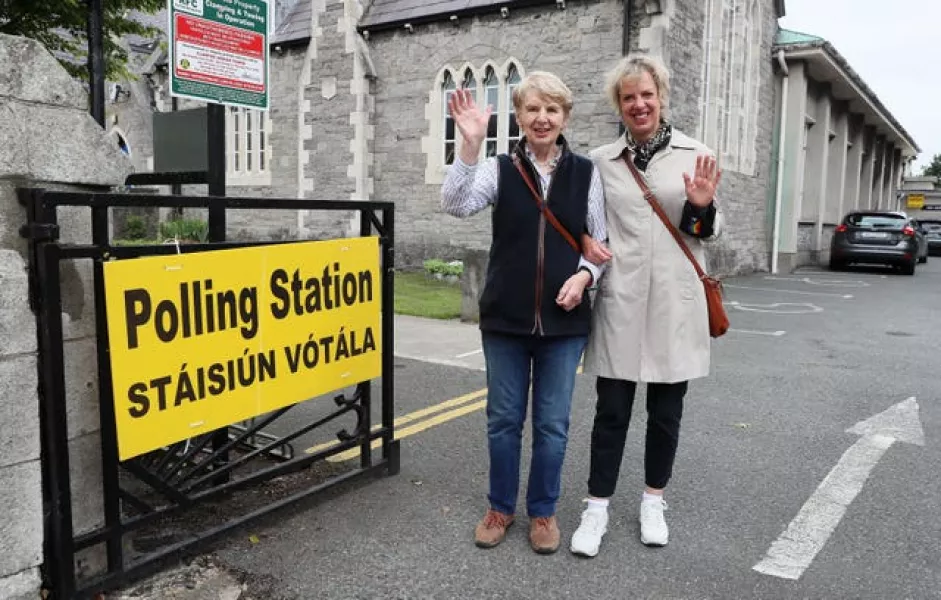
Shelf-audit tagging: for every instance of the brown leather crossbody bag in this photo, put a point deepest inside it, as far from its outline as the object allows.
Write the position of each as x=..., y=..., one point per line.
x=718, y=319
x=545, y=208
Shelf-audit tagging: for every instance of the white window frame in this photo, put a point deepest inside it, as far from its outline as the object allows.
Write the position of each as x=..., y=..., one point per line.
x=731, y=81
x=434, y=144
x=247, y=146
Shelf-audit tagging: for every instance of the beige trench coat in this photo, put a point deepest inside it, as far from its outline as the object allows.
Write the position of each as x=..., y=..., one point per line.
x=649, y=320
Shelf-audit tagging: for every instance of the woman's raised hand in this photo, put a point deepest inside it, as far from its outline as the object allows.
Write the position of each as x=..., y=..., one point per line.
x=701, y=188
x=470, y=120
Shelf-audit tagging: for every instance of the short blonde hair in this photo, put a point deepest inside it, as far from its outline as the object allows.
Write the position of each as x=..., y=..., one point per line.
x=635, y=65
x=548, y=86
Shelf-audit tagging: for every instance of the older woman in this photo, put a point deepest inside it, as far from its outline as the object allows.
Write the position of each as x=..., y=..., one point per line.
x=533, y=317
x=650, y=319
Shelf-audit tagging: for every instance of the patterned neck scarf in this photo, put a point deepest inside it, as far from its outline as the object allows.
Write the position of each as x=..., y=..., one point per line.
x=644, y=151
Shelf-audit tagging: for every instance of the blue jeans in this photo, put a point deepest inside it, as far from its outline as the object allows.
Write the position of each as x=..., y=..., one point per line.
x=510, y=361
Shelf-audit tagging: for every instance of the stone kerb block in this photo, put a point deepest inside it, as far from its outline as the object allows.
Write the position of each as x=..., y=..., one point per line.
x=21, y=527
x=20, y=418
x=20, y=586
x=17, y=325
x=472, y=283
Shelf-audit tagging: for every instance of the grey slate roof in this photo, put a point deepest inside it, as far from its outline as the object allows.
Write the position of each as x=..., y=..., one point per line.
x=158, y=20
x=383, y=14
x=295, y=28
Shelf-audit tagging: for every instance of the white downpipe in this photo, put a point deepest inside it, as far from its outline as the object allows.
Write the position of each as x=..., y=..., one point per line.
x=779, y=187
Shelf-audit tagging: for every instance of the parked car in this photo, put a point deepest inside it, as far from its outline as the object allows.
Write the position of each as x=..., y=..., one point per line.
x=878, y=237
x=932, y=228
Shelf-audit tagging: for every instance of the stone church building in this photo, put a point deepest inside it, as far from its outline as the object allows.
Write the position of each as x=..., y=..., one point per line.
x=359, y=88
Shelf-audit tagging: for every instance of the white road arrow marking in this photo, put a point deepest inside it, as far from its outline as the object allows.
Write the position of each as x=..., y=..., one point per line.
x=796, y=548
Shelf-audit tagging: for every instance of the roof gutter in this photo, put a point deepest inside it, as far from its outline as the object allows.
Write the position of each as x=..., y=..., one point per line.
x=876, y=106
x=472, y=11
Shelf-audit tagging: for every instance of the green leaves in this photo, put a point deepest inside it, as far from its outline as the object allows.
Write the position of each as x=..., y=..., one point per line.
x=933, y=169
x=60, y=26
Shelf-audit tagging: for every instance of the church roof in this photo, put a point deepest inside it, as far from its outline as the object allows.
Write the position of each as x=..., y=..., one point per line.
x=295, y=28
x=388, y=14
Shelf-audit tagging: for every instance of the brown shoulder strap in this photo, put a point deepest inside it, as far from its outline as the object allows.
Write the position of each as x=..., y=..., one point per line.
x=545, y=209
x=663, y=216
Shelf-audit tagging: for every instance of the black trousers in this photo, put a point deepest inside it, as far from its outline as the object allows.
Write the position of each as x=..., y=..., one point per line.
x=612, y=417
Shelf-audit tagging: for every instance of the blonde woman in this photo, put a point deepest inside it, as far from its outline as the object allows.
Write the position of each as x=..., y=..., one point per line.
x=534, y=317
x=650, y=320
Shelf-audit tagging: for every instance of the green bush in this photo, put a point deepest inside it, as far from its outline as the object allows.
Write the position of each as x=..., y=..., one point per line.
x=194, y=230
x=135, y=228
x=435, y=266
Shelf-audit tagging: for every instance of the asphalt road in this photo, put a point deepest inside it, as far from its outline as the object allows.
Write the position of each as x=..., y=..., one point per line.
x=767, y=471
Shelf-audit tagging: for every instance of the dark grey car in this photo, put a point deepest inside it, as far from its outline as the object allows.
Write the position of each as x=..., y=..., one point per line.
x=932, y=229
x=878, y=237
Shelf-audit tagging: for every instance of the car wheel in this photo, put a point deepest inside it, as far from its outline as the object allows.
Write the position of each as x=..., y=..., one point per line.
x=909, y=269
x=923, y=259
x=837, y=265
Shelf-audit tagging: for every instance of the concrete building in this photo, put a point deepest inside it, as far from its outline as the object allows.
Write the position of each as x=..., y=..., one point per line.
x=839, y=148
x=358, y=95
x=921, y=197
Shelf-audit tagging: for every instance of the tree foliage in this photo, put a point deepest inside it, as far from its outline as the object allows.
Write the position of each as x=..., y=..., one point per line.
x=934, y=168
x=61, y=25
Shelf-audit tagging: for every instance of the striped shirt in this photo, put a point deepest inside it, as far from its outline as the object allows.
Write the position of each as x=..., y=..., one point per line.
x=468, y=189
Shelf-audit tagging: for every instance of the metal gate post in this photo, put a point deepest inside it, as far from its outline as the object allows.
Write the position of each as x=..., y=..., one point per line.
x=109, y=441
x=60, y=548
x=365, y=450
x=390, y=447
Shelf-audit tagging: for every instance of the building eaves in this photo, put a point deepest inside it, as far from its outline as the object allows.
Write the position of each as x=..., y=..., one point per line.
x=294, y=30
x=384, y=15
x=796, y=47
x=788, y=37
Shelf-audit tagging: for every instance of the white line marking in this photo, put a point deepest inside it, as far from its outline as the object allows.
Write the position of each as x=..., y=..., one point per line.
x=438, y=361
x=853, y=283
x=752, y=332
x=471, y=353
x=760, y=289
x=794, y=550
x=778, y=308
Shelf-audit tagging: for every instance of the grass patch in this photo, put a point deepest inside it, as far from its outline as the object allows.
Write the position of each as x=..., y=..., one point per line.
x=418, y=295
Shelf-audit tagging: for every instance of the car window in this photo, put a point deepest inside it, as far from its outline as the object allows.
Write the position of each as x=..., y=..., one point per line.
x=876, y=221
x=933, y=227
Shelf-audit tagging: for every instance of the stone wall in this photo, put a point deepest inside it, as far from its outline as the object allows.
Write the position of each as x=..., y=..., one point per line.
x=579, y=44
x=675, y=31
x=49, y=141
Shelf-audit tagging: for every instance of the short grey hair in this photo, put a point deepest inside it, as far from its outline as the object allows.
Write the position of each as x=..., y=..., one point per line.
x=548, y=85
x=635, y=65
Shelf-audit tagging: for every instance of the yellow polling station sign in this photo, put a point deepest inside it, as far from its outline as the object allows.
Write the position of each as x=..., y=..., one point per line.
x=200, y=341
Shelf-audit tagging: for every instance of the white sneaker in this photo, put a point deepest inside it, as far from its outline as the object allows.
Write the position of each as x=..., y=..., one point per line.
x=586, y=541
x=653, y=527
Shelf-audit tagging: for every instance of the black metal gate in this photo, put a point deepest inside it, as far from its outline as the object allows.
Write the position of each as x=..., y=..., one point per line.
x=145, y=492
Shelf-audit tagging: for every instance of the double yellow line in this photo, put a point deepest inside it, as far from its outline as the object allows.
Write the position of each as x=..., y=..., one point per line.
x=439, y=413
x=443, y=412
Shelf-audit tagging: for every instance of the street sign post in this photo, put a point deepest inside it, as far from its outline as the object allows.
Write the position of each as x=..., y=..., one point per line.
x=219, y=51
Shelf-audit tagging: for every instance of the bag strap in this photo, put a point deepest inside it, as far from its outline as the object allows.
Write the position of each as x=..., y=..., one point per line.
x=663, y=217
x=545, y=209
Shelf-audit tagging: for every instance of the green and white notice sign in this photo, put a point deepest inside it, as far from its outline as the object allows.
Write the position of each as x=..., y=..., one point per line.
x=219, y=51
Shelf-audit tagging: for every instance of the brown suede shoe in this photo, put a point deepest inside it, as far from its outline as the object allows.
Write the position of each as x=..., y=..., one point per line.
x=492, y=529
x=544, y=535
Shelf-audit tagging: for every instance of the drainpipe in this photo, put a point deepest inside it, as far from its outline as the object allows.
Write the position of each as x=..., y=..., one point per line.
x=626, y=35
x=776, y=234
x=625, y=47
